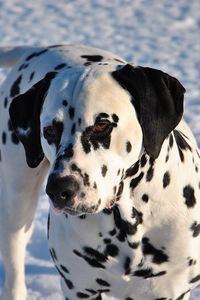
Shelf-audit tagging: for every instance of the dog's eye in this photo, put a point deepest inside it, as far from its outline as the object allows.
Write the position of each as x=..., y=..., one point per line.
x=101, y=127
x=49, y=134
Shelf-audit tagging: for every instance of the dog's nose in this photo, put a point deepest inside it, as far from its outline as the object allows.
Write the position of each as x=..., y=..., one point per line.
x=62, y=190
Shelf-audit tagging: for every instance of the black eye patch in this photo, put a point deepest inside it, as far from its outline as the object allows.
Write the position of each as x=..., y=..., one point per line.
x=113, y=118
x=102, y=116
x=53, y=133
x=88, y=139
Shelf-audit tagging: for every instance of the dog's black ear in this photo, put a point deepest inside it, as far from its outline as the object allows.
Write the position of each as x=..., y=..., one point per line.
x=158, y=100
x=25, y=118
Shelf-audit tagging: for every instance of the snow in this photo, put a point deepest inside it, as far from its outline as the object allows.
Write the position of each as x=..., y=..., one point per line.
x=161, y=34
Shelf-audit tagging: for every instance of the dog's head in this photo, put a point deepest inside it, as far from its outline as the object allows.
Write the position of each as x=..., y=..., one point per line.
x=92, y=125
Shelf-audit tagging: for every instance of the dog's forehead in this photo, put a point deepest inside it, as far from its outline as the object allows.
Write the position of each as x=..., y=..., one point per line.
x=87, y=92
x=102, y=94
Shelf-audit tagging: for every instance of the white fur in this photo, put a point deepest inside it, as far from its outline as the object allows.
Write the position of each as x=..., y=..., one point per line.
x=91, y=91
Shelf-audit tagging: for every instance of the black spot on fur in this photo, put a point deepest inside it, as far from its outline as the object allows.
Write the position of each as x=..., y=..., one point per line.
x=143, y=160
x=107, y=241
x=68, y=282
x=150, y=174
x=138, y=216
x=71, y=112
x=93, y=292
x=75, y=168
x=31, y=76
x=181, y=143
x=120, y=190
x=67, y=154
x=158, y=256
x=128, y=147
x=102, y=282
x=104, y=170
x=115, y=118
x=191, y=261
x=60, y=66
x=24, y=66
x=73, y=129
x=195, y=279
x=15, y=89
x=63, y=268
x=125, y=228
x=196, y=229
x=5, y=102
x=145, y=198
x=64, y=103
x=167, y=157
x=148, y=273
x=119, y=60
x=4, y=137
x=112, y=250
x=53, y=254
x=93, y=58
x=87, y=63
x=113, y=232
x=81, y=295
x=103, y=290
x=188, y=194
x=21, y=67
x=86, y=181
x=181, y=297
x=134, y=245
x=36, y=54
x=114, y=190
x=92, y=261
x=127, y=265
x=135, y=181
x=100, y=257
x=132, y=170
x=166, y=179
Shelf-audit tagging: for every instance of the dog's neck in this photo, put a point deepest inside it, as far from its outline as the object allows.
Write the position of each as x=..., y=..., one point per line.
x=146, y=184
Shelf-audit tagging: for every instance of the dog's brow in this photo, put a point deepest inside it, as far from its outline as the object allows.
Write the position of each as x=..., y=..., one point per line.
x=102, y=115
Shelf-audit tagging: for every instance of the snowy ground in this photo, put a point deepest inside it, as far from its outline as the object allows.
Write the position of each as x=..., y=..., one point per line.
x=162, y=34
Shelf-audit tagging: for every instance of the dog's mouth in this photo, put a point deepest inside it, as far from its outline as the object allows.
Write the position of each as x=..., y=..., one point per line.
x=78, y=208
x=75, y=209
x=72, y=208
x=66, y=210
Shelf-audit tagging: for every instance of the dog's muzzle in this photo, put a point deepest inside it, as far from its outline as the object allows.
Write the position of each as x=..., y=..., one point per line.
x=63, y=191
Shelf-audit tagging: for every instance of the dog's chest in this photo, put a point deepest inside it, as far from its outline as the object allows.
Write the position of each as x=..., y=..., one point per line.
x=96, y=248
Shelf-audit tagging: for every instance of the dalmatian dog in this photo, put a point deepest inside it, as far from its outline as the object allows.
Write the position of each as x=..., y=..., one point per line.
x=122, y=171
